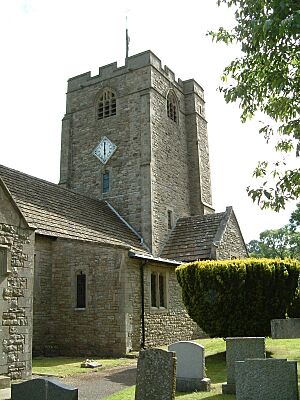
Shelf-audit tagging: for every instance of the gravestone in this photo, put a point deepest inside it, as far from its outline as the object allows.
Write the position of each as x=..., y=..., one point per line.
x=238, y=349
x=190, y=367
x=42, y=389
x=266, y=379
x=156, y=375
x=285, y=328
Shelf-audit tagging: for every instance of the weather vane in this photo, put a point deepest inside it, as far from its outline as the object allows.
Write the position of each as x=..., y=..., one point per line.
x=127, y=40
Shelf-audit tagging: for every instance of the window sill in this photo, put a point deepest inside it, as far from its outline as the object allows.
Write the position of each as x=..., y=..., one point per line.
x=158, y=310
x=79, y=309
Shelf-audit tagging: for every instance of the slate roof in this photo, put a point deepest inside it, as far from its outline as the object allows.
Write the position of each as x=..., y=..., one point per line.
x=193, y=237
x=59, y=212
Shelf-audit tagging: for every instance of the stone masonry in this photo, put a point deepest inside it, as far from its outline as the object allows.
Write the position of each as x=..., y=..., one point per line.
x=17, y=242
x=111, y=322
x=159, y=164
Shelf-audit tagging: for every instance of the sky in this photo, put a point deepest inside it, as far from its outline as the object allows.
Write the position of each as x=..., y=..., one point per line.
x=46, y=42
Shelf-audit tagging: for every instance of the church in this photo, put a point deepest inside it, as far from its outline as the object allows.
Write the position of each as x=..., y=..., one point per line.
x=87, y=266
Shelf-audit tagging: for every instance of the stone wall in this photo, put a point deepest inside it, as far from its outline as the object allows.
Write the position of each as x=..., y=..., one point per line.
x=99, y=328
x=159, y=164
x=170, y=181
x=42, y=296
x=129, y=167
x=232, y=244
x=17, y=248
x=162, y=326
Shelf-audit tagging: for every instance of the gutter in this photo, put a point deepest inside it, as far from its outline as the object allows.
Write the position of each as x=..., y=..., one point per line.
x=127, y=224
x=132, y=254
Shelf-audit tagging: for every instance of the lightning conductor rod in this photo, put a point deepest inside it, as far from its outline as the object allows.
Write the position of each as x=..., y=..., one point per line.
x=127, y=40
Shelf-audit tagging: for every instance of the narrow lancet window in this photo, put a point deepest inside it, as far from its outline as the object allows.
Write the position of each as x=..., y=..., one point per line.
x=81, y=291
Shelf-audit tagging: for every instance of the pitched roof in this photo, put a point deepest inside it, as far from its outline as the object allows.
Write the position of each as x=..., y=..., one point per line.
x=59, y=212
x=193, y=237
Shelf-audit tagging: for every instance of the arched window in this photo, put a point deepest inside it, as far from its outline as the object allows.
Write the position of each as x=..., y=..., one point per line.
x=172, y=109
x=107, y=105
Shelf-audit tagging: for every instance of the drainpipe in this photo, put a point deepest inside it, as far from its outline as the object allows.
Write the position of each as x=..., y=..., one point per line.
x=143, y=303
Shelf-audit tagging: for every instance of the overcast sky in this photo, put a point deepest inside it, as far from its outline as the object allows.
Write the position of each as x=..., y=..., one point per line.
x=44, y=43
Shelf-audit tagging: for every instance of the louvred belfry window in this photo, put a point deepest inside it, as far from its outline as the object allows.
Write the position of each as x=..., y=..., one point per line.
x=172, y=108
x=107, y=105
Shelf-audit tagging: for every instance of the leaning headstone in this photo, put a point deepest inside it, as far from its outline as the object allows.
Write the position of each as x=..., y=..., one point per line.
x=266, y=379
x=42, y=389
x=285, y=328
x=156, y=375
x=238, y=349
x=190, y=367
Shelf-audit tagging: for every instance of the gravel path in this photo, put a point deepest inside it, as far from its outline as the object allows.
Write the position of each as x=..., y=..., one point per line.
x=98, y=385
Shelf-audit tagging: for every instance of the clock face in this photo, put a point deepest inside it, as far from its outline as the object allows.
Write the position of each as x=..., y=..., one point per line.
x=104, y=150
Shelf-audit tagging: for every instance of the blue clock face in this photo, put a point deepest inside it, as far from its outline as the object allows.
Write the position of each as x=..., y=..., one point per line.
x=104, y=150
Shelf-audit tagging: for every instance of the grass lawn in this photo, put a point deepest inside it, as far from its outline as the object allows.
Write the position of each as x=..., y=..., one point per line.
x=66, y=366
x=215, y=362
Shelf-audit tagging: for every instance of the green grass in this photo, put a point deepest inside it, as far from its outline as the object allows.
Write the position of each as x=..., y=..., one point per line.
x=66, y=366
x=215, y=362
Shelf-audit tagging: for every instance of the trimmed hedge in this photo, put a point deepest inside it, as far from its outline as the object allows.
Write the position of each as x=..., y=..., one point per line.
x=238, y=297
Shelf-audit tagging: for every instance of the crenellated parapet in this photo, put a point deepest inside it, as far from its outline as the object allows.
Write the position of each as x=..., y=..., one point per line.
x=135, y=62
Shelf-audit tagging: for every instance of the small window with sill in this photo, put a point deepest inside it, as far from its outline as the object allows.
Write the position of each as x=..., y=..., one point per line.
x=158, y=290
x=172, y=107
x=81, y=290
x=107, y=105
x=170, y=219
x=5, y=260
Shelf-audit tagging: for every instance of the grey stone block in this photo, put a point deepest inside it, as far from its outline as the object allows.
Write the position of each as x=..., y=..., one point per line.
x=156, y=375
x=266, y=379
x=190, y=370
x=4, y=382
x=285, y=328
x=238, y=349
x=42, y=389
x=192, y=385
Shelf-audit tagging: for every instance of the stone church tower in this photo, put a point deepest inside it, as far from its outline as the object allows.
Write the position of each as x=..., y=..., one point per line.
x=137, y=138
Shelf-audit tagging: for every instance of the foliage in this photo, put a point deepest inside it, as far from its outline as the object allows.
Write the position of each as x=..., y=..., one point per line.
x=238, y=297
x=295, y=219
x=266, y=79
x=283, y=242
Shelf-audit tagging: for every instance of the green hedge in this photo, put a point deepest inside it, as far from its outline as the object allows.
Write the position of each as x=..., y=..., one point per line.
x=238, y=297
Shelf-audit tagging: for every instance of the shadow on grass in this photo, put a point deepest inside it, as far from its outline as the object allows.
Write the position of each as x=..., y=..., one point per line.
x=214, y=397
x=55, y=361
x=216, y=367
x=269, y=354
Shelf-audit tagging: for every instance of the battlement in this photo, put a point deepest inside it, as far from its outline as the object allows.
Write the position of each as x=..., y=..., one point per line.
x=134, y=62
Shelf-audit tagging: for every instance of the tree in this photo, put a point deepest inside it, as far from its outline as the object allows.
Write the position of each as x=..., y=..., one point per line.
x=283, y=242
x=266, y=79
x=238, y=297
x=295, y=219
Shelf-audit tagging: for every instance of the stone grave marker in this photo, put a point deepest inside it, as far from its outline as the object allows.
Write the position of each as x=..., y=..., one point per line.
x=285, y=328
x=266, y=379
x=42, y=389
x=238, y=349
x=156, y=375
x=190, y=367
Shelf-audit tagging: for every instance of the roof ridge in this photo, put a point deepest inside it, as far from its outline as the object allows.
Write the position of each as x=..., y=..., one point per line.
x=201, y=216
